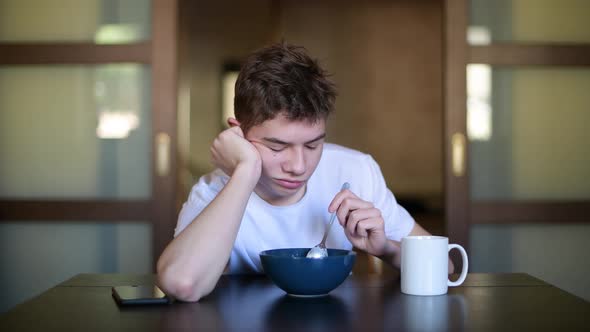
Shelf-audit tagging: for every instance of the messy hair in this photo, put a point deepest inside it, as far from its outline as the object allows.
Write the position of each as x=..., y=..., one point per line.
x=282, y=79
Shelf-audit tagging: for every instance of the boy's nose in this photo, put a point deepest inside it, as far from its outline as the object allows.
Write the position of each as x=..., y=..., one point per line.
x=296, y=162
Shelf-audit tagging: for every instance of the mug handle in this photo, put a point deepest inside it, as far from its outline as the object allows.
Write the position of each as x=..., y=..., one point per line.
x=465, y=266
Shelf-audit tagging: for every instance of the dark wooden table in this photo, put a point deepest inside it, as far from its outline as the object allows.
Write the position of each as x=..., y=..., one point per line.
x=485, y=302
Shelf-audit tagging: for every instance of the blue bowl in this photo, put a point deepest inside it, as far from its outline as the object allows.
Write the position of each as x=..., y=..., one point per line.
x=301, y=276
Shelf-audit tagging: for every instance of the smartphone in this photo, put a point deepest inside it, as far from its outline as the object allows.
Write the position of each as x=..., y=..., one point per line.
x=139, y=294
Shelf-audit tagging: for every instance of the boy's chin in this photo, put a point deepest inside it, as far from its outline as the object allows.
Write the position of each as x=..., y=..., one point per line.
x=280, y=195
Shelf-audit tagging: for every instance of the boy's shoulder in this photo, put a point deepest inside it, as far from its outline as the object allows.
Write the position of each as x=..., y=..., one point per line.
x=211, y=183
x=341, y=164
x=340, y=159
x=334, y=152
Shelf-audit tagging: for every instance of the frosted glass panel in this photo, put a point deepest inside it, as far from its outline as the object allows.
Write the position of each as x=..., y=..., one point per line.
x=75, y=131
x=529, y=21
x=538, y=142
x=100, y=21
x=38, y=255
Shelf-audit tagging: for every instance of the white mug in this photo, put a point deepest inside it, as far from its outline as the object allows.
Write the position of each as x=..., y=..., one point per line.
x=425, y=265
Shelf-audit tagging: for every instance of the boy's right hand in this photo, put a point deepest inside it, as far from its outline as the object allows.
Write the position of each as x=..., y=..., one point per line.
x=230, y=149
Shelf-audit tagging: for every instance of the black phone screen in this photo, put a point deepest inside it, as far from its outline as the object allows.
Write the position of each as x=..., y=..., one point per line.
x=139, y=294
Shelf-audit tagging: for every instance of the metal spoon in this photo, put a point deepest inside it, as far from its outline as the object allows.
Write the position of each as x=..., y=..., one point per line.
x=320, y=250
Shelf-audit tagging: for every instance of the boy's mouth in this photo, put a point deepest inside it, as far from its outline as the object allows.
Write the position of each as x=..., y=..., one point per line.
x=289, y=184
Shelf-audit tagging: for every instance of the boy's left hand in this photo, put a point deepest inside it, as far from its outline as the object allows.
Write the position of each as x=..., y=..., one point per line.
x=362, y=222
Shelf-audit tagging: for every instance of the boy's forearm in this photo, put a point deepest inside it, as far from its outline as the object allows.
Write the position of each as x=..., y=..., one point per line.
x=193, y=262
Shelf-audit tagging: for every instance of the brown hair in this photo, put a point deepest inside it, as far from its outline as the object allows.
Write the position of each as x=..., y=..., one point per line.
x=282, y=79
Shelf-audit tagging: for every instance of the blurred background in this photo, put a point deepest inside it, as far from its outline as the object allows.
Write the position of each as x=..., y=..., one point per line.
x=477, y=112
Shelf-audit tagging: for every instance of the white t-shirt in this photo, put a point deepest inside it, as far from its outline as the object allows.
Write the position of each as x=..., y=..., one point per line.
x=301, y=225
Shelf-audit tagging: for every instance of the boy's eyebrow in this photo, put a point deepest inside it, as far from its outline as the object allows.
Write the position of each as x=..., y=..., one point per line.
x=278, y=141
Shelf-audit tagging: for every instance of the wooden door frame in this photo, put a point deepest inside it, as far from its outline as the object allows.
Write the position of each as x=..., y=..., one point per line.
x=456, y=188
x=164, y=102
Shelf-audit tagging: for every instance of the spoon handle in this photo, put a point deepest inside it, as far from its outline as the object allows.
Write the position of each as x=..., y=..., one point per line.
x=346, y=185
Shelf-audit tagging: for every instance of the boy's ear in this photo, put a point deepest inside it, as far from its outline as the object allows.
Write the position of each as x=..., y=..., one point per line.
x=232, y=122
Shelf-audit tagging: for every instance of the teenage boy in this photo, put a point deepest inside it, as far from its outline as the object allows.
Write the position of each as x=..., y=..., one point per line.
x=277, y=182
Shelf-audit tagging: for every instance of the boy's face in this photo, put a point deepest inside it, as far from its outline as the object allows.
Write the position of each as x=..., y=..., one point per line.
x=290, y=152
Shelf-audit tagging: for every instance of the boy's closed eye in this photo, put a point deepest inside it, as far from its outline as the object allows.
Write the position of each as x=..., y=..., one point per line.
x=279, y=148
x=276, y=148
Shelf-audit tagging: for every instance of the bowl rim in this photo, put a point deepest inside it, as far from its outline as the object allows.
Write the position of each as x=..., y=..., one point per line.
x=267, y=254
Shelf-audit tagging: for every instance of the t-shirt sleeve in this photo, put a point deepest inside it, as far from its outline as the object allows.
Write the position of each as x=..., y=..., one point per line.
x=200, y=196
x=398, y=222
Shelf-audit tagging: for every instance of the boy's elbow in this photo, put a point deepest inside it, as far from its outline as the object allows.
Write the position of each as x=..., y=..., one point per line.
x=180, y=285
